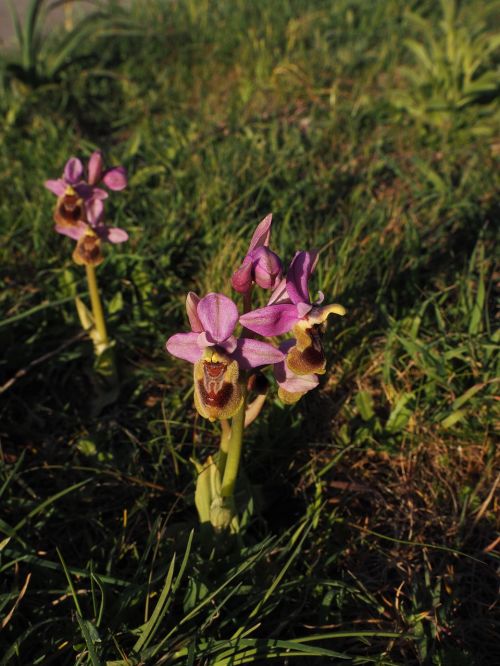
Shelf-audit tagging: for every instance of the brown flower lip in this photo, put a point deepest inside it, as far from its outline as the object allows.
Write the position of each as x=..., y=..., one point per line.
x=88, y=250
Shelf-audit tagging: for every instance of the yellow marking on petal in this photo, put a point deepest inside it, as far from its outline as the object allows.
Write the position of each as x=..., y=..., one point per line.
x=287, y=397
x=320, y=314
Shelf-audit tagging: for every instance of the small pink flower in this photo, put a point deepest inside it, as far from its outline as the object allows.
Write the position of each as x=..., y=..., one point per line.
x=217, y=354
x=290, y=308
x=74, y=192
x=260, y=264
x=89, y=240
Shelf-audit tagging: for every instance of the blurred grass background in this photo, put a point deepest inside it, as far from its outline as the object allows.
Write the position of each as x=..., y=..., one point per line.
x=370, y=130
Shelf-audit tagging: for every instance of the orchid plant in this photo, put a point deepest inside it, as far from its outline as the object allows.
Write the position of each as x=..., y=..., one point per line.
x=79, y=215
x=227, y=366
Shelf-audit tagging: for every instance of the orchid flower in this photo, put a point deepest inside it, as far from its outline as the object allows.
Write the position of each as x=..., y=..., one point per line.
x=80, y=199
x=217, y=355
x=260, y=264
x=290, y=309
x=89, y=239
x=291, y=386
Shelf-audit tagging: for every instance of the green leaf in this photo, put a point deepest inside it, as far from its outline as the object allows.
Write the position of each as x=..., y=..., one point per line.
x=364, y=403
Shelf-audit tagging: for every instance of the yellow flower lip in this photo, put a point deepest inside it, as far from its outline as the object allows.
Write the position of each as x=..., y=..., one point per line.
x=217, y=393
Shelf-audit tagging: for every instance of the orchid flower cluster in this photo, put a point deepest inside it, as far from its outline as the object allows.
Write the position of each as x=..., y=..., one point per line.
x=79, y=214
x=79, y=211
x=225, y=364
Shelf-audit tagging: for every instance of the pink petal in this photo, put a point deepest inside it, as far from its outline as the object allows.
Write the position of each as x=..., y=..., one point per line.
x=95, y=167
x=229, y=345
x=94, y=209
x=185, y=346
x=271, y=320
x=293, y=383
x=252, y=353
x=218, y=315
x=242, y=277
x=98, y=193
x=298, y=276
x=192, y=301
x=116, y=178
x=303, y=309
x=280, y=294
x=57, y=187
x=74, y=232
x=116, y=235
x=73, y=171
x=262, y=233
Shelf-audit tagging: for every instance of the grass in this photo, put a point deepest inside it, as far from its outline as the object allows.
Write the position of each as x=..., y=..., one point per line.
x=370, y=533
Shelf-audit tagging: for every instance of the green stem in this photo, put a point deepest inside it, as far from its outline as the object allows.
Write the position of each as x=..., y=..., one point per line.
x=95, y=300
x=224, y=446
x=234, y=450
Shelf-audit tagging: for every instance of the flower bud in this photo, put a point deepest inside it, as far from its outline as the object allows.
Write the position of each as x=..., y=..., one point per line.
x=266, y=267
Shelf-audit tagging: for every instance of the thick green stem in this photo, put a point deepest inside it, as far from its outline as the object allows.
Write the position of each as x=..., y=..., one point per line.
x=95, y=300
x=234, y=450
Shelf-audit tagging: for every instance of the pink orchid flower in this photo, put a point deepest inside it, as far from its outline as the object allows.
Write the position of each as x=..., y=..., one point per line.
x=89, y=239
x=290, y=308
x=260, y=264
x=80, y=198
x=217, y=354
x=291, y=387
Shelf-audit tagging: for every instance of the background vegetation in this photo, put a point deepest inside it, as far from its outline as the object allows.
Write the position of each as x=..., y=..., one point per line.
x=370, y=535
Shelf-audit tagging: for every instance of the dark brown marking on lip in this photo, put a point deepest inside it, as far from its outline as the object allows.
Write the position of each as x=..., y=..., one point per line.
x=69, y=210
x=215, y=398
x=315, y=333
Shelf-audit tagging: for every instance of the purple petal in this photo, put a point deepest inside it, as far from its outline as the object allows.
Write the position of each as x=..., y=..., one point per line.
x=116, y=178
x=298, y=276
x=262, y=233
x=94, y=209
x=271, y=320
x=185, y=346
x=73, y=171
x=75, y=232
x=252, y=353
x=218, y=315
x=57, y=187
x=242, y=277
x=84, y=190
x=192, y=301
x=116, y=235
x=95, y=167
